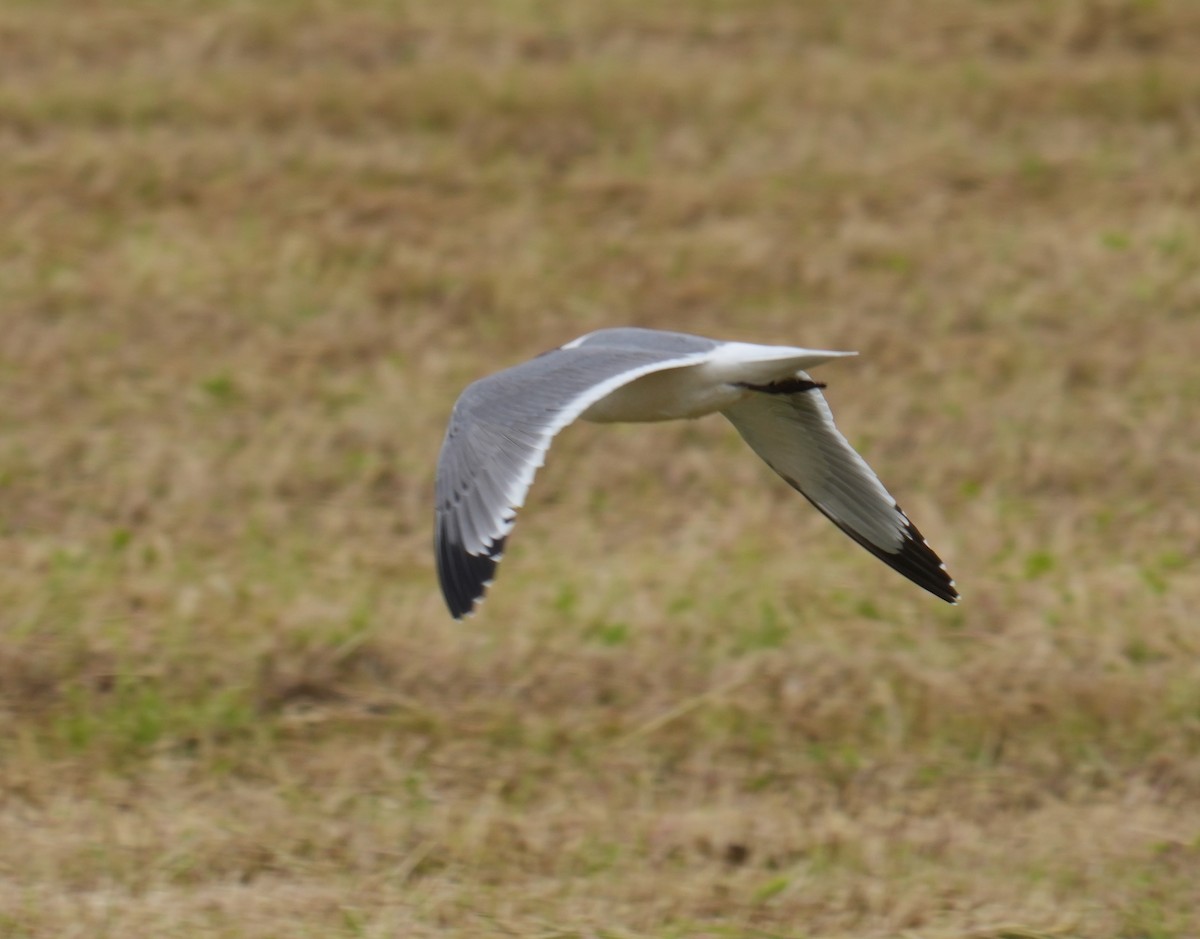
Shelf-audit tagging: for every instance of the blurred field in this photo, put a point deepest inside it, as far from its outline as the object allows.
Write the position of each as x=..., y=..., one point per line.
x=251, y=251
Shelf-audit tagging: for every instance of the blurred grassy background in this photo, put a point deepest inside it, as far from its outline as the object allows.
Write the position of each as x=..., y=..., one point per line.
x=251, y=251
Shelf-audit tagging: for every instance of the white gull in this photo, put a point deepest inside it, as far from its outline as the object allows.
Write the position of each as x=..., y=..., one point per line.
x=502, y=425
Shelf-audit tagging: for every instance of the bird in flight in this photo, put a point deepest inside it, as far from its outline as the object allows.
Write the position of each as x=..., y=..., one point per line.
x=502, y=425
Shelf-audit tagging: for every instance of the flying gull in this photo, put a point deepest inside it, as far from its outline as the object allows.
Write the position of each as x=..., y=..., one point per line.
x=502, y=426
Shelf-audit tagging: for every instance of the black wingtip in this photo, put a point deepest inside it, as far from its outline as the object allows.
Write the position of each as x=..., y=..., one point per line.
x=464, y=577
x=914, y=558
x=918, y=562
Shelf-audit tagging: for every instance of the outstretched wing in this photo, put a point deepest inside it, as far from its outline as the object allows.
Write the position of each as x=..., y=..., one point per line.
x=499, y=432
x=793, y=431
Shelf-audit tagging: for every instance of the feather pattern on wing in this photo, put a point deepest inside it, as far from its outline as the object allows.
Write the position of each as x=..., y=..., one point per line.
x=796, y=436
x=500, y=430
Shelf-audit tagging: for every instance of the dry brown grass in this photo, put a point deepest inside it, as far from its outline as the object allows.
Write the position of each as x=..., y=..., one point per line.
x=252, y=250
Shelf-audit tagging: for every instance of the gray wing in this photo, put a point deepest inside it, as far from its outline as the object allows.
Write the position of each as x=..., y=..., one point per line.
x=793, y=431
x=499, y=432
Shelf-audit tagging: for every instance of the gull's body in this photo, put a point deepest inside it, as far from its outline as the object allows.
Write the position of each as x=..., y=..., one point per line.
x=502, y=426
